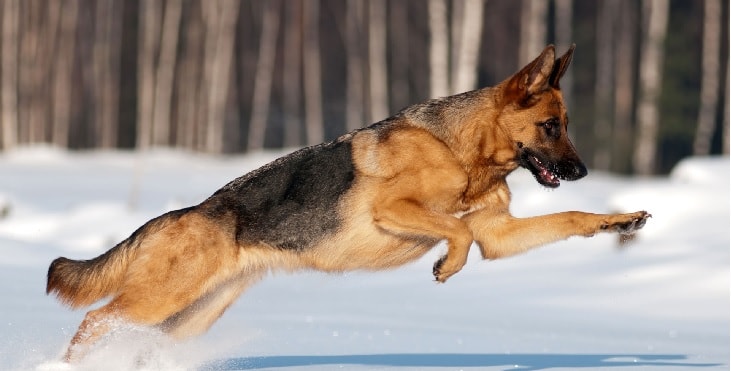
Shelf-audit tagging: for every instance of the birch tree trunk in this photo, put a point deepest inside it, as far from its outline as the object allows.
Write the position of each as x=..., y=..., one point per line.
x=726, y=133
x=564, y=38
x=377, y=60
x=532, y=29
x=399, y=53
x=9, y=73
x=264, y=76
x=165, y=71
x=603, y=84
x=63, y=73
x=225, y=21
x=655, y=14
x=189, y=82
x=624, y=67
x=354, y=27
x=467, y=55
x=105, y=66
x=292, y=80
x=312, y=80
x=150, y=11
x=439, y=49
x=710, y=77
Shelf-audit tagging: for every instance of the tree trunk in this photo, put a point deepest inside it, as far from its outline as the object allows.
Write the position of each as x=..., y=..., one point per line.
x=312, y=80
x=9, y=74
x=710, y=61
x=377, y=60
x=63, y=74
x=292, y=81
x=189, y=85
x=655, y=13
x=603, y=85
x=468, y=50
x=105, y=67
x=439, y=51
x=624, y=66
x=532, y=29
x=726, y=133
x=564, y=38
x=225, y=21
x=165, y=71
x=353, y=35
x=264, y=76
x=399, y=52
x=149, y=39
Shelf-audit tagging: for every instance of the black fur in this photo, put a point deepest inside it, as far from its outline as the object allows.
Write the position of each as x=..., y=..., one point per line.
x=292, y=202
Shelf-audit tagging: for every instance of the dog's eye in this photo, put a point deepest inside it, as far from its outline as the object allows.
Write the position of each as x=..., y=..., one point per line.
x=552, y=128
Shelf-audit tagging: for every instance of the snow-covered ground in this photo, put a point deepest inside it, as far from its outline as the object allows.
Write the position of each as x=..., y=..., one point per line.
x=658, y=303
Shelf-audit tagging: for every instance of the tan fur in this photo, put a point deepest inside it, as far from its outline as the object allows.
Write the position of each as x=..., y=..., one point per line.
x=434, y=172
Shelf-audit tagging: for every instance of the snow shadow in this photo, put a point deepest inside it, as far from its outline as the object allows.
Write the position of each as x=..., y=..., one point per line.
x=510, y=361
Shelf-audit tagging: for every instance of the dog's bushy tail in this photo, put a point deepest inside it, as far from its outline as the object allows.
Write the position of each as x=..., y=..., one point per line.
x=80, y=283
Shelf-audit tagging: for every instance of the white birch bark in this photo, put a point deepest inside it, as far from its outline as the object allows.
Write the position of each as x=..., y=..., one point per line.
x=709, y=77
x=264, y=76
x=655, y=13
x=377, y=60
x=312, y=75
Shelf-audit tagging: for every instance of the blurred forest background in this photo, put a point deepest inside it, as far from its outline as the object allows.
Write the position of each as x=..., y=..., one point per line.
x=649, y=84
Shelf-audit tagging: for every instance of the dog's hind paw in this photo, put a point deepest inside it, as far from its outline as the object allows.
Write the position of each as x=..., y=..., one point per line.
x=627, y=224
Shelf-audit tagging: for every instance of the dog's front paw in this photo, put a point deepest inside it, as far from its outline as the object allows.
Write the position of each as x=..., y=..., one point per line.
x=626, y=224
x=442, y=271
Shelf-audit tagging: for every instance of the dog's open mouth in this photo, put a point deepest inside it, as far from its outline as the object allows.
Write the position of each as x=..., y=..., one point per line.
x=541, y=171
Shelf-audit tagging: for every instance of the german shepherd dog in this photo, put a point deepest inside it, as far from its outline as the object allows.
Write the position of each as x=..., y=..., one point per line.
x=376, y=198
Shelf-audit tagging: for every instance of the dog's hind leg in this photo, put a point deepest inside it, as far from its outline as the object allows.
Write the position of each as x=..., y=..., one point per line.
x=96, y=324
x=199, y=316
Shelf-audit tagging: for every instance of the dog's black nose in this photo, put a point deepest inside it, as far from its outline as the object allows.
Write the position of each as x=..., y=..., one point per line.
x=572, y=170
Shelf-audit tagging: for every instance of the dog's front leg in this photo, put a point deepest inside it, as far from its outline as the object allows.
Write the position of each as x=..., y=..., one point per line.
x=405, y=217
x=503, y=235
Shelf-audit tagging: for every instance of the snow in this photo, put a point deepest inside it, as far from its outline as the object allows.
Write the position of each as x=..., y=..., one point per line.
x=660, y=302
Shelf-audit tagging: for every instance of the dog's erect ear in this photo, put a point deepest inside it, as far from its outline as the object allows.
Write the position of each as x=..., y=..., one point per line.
x=534, y=77
x=560, y=67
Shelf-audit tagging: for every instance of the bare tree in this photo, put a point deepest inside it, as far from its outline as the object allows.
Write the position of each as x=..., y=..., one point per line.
x=726, y=133
x=465, y=77
x=624, y=67
x=311, y=64
x=9, y=73
x=63, y=73
x=399, y=52
x=655, y=14
x=292, y=80
x=164, y=73
x=533, y=18
x=221, y=16
x=710, y=63
x=377, y=59
x=105, y=67
x=353, y=33
x=564, y=15
x=439, y=49
x=150, y=15
x=603, y=84
x=190, y=65
x=264, y=75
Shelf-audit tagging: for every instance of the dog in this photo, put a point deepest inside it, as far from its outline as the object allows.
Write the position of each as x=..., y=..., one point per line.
x=376, y=198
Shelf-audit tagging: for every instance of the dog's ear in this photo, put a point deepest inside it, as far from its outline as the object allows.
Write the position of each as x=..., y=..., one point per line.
x=534, y=77
x=560, y=67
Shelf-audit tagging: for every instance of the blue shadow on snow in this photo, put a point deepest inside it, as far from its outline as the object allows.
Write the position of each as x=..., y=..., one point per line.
x=511, y=361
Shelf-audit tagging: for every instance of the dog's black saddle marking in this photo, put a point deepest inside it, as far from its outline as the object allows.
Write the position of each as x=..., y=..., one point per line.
x=292, y=202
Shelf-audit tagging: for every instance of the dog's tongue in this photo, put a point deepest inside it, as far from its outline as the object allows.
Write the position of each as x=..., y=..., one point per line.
x=547, y=177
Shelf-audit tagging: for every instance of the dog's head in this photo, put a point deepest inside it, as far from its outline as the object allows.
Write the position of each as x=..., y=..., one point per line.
x=534, y=116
